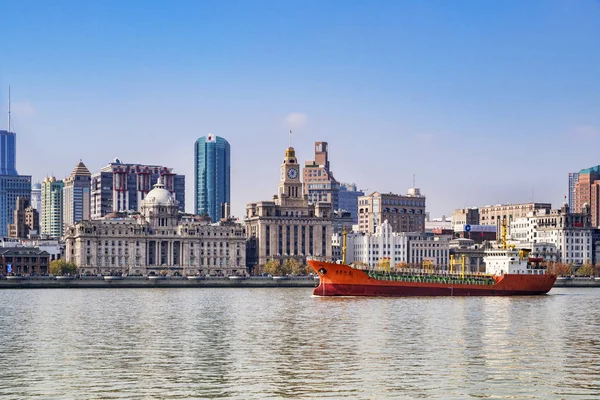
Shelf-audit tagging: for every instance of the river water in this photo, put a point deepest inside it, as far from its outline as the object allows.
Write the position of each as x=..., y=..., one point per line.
x=285, y=343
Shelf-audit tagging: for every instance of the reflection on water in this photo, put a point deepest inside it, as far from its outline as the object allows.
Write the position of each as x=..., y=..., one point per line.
x=285, y=343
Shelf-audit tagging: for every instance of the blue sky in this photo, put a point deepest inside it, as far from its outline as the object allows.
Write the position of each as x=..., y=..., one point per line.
x=485, y=101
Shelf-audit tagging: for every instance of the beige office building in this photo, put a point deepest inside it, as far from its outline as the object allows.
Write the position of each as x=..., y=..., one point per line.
x=465, y=216
x=288, y=226
x=404, y=213
x=493, y=215
x=319, y=183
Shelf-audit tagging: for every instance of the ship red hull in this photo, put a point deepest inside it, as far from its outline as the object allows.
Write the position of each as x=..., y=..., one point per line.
x=342, y=280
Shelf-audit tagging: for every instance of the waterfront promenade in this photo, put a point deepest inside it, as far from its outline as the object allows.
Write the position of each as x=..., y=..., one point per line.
x=62, y=282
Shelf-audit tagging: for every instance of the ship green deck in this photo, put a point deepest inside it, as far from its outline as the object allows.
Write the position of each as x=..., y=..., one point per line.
x=448, y=279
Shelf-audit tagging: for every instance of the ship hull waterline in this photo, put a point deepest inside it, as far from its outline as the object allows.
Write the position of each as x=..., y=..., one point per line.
x=342, y=280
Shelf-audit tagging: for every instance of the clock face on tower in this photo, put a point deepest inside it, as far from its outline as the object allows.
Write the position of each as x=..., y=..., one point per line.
x=292, y=173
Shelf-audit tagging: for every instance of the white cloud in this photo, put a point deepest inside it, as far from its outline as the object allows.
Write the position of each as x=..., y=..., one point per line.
x=22, y=109
x=296, y=120
x=584, y=132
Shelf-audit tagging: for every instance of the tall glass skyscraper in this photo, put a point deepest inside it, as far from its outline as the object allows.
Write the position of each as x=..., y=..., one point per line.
x=213, y=170
x=8, y=153
x=12, y=185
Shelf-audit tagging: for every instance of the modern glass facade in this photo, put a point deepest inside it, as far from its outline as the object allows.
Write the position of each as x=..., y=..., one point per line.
x=213, y=170
x=573, y=179
x=348, y=199
x=11, y=187
x=8, y=153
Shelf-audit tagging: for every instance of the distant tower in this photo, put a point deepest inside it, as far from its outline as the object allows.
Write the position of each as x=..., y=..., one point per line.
x=52, y=208
x=76, y=195
x=12, y=185
x=8, y=153
x=212, y=176
x=36, y=197
x=319, y=182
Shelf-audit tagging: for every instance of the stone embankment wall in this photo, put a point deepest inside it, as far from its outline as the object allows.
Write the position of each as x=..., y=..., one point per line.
x=47, y=282
x=577, y=282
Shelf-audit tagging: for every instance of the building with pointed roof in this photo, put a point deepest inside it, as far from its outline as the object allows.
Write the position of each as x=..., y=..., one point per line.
x=288, y=226
x=76, y=195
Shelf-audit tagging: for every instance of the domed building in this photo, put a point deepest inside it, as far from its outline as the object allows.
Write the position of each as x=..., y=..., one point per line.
x=157, y=239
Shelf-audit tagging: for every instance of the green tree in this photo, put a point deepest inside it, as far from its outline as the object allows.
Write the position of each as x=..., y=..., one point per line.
x=62, y=267
x=272, y=267
x=586, y=269
x=294, y=267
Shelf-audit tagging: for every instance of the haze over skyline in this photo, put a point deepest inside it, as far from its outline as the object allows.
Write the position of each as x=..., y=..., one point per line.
x=485, y=102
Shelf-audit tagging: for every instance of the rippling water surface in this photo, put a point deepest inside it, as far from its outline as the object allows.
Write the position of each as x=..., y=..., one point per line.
x=284, y=343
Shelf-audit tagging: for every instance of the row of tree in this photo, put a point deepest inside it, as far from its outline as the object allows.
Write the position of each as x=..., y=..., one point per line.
x=587, y=269
x=290, y=266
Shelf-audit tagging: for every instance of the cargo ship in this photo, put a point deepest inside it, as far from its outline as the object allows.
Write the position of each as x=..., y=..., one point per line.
x=509, y=272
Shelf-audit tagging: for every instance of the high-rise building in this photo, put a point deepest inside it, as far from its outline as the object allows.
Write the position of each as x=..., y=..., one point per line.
x=12, y=185
x=122, y=187
x=287, y=226
x=36, y=197
x=573, y=179
x=405, y=213
x=26, y=220
x=319, y=183
x=213, y=170
x=8, y=153
x=587, y=191
x=52, y=208
x=76, y=195
x=348, y=199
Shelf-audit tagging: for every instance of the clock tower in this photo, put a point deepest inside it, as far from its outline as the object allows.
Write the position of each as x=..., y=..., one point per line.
x=290, y=184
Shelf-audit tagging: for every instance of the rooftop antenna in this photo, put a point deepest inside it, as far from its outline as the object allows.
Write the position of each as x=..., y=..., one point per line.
x=9, y=120
x=414, y=180
x=290, y=139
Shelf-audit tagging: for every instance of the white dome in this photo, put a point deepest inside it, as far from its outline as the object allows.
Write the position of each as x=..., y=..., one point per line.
x=159, y=195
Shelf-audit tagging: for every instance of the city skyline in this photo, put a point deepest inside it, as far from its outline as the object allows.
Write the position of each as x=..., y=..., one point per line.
x=486, y=102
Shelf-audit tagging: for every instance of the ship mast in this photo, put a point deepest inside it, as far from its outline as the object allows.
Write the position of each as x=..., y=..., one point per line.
x=344, y=235
x=503, y=225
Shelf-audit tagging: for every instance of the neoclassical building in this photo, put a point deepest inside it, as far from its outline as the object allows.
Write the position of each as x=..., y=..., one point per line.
x=288, y=226
x=157, y=239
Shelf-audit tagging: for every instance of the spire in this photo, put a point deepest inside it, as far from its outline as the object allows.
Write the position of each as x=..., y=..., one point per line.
x=9, y=120
x=159, y=183
x=290, y=139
